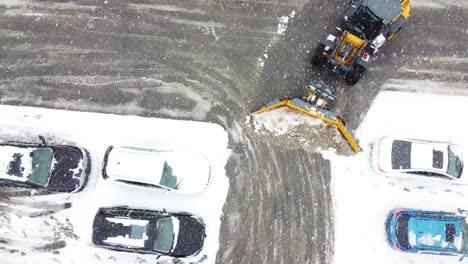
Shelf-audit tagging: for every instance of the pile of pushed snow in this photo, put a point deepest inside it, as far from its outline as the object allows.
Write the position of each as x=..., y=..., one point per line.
x=295, y=128
x=280, y=121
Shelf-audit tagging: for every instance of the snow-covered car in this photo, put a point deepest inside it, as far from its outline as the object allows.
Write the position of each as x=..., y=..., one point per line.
x=148, y=232
x=432, y=232
x=51, y=168
x=184, y=172
x=413, y=158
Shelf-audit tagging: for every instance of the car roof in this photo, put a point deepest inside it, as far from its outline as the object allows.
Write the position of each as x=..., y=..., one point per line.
x=135, y=238
x=432, y=231
x=385, y=9
x=189, y=172
x=413, y=154
x=141, y=165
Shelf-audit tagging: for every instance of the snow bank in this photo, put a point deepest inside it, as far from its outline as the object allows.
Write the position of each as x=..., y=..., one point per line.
x=363, y=199
x=96, y=132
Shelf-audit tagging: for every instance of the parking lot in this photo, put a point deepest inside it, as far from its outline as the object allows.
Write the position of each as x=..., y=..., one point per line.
x=205, y=61
x=104, y=130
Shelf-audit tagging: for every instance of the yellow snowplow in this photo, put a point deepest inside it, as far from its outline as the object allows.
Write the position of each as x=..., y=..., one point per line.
x=316, y=104
x=366, y=26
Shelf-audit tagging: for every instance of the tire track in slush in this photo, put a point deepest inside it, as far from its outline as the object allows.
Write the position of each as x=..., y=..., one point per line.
x=212, y=49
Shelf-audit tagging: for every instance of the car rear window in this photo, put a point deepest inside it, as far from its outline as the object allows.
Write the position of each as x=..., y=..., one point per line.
x=437, y=159
x=402, y=231
x=450, y=233
x=401, y=155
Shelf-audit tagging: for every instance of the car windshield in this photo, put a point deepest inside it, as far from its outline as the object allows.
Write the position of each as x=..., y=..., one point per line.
x=165, y=235
x=41, y=163
x=168, y=179
x=464, y=231
x=455, y=164
x=367, y=22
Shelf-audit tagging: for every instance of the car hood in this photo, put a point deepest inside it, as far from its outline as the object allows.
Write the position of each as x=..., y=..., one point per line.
x=69, y=169
x=190, y=237
x=194, y=176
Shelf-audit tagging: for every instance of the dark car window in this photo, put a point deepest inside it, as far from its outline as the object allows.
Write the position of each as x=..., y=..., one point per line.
x=401, y=155
x=117, y=212
x=165, y=235
x=140, y=184
x=138, y=231
x=455, y=164
x=41, y=164
x=441, y=215
x=437, y=159
x=430, y=174
x=402, y=231
x=450, y=233
x=168, y=179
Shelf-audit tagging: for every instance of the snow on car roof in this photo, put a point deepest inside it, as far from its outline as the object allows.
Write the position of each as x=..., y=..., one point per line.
x=15, y=163
x=132, y=163
x=190, y=171
x=429, y=156
x=434, y=233
x=414, y=154
x=138, y=234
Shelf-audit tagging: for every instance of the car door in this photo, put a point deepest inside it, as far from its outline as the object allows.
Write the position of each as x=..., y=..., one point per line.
x=421, y=175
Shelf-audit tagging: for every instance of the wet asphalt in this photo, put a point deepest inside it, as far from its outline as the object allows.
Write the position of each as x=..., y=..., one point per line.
x=201, y=60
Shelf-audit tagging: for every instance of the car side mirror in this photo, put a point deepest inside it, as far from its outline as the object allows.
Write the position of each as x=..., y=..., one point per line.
x=42, y=139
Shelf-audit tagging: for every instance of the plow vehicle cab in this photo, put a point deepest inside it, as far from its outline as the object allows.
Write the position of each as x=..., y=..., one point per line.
x=366, y=26
x=376, y=21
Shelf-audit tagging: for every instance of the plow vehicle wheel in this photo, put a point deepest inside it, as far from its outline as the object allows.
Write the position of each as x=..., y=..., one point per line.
x=318, y=58
x=353, y=76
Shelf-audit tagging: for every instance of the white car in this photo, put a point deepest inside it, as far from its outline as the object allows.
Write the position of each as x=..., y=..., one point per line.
x=184, y=172
x=414, y=158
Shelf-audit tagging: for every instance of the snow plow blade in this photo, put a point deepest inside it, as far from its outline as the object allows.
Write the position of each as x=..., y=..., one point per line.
x=312, y=110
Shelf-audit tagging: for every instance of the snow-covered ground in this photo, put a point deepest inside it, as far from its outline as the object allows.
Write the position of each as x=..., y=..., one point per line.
x=70, y=229
x=362, y=199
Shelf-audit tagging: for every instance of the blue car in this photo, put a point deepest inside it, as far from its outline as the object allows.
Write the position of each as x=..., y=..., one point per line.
x=432, y=232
